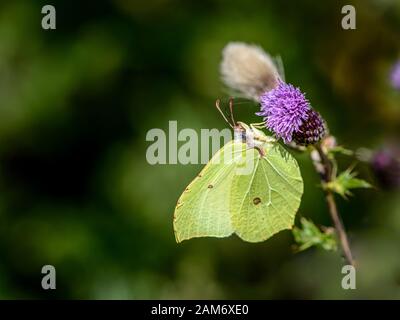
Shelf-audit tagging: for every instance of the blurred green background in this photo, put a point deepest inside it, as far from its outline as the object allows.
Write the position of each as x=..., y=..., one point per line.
x=76, y=103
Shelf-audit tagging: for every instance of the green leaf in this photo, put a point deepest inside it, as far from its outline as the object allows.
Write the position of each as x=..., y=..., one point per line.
x=310, y=235
x=346, y=181
x=225, y=199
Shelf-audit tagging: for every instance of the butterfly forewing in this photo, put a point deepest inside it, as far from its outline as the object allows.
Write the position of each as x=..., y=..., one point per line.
x=203, y=208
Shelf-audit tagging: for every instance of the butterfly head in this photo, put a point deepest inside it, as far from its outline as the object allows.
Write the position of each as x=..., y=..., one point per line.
x=249, y=134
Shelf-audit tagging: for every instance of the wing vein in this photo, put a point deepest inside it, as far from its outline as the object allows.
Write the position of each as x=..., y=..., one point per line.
x=249, y=187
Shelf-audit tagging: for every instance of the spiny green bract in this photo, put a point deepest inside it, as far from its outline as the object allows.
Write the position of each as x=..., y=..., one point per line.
x=310, y=235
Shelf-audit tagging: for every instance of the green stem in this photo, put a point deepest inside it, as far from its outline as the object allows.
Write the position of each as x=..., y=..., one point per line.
x=330, y=199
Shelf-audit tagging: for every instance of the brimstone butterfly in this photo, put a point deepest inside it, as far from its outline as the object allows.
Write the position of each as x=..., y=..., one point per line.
x=251, y=187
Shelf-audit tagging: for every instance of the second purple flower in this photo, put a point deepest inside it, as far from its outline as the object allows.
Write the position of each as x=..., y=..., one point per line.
x=395, y=76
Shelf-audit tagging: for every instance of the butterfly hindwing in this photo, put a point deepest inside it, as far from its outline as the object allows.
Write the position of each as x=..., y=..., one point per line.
x=266, y=201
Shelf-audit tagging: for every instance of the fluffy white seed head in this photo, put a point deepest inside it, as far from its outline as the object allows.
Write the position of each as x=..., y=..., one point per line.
x=248, y=69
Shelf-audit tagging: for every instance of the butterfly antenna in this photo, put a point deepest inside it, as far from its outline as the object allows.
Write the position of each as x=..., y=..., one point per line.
x=217, y=105
x=231, y=111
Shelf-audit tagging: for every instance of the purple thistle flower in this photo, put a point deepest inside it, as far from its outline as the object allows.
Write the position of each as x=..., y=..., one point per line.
x=395, y=76
x=386, y=166
x=288, y=114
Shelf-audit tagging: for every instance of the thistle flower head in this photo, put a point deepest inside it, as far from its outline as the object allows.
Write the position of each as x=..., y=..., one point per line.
x=395, y=76
x=289, y=115
x=248, y=69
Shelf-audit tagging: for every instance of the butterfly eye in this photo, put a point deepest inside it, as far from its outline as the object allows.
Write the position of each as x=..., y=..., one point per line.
x=239, y=134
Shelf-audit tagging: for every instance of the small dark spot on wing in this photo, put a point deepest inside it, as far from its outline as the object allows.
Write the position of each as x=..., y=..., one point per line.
x=210, y=186
x=256, y=200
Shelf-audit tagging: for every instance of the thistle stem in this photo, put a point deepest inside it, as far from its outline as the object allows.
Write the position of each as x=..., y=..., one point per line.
x=339, y=227
x=326, y=177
